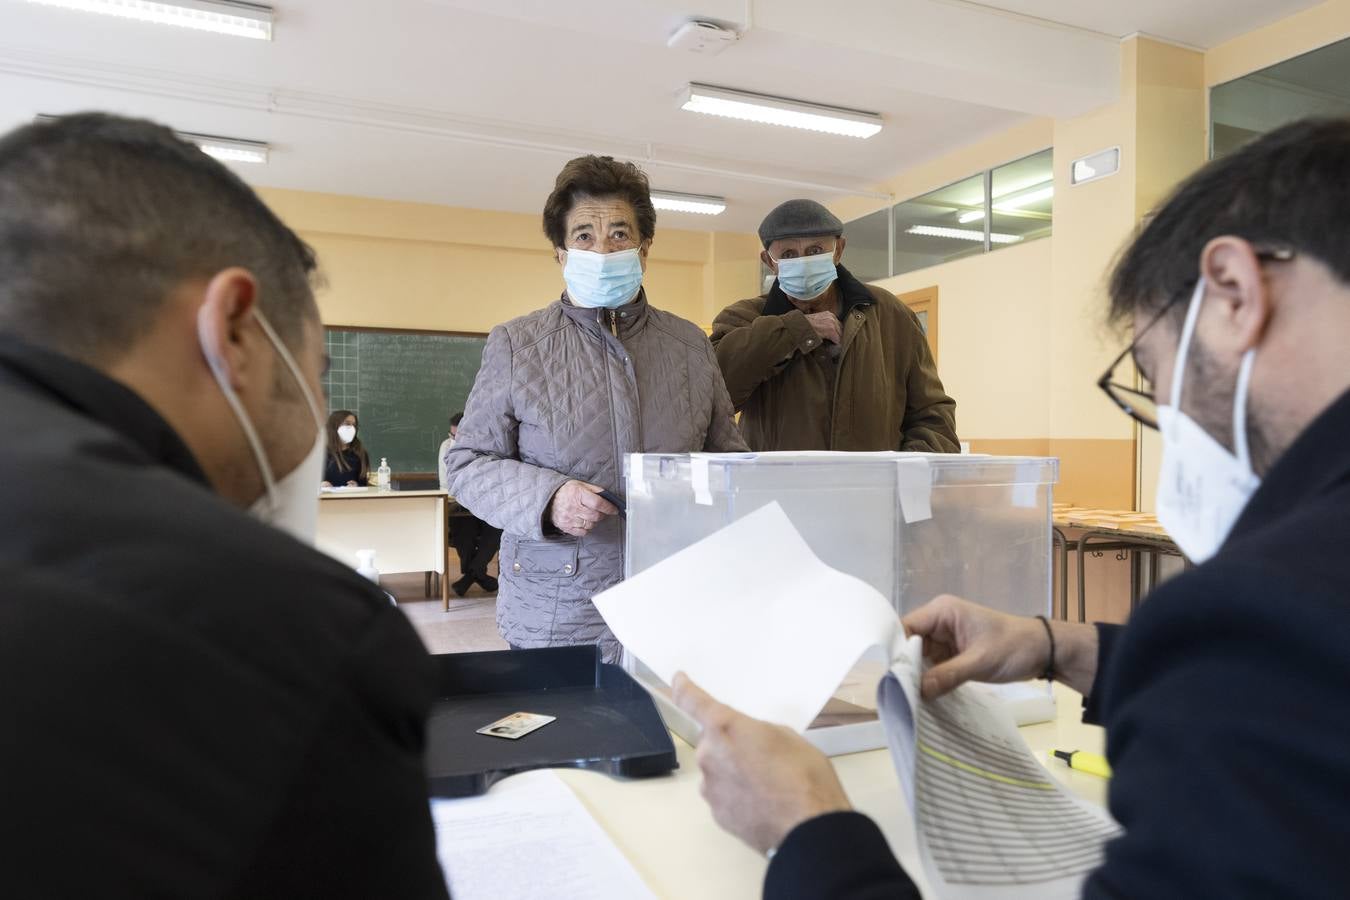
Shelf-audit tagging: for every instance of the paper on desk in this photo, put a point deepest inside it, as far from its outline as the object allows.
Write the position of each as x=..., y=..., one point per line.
x=529, y=838
x=753, y=617
x=991, y=823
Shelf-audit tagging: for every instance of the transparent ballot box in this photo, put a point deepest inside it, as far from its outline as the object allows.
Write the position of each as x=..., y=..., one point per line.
x=911, y=525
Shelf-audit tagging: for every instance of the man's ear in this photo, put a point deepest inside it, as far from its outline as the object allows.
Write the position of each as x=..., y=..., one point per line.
x=1235, y=282
x=643, y=249
x=560, y=254
x=768, y=260
x=225, y=324
x=838, y=249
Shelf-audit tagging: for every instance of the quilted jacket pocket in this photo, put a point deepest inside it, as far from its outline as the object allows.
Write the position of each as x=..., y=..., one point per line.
x=545, y=559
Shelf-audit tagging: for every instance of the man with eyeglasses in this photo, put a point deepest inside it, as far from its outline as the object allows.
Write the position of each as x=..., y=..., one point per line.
x=1225, y=697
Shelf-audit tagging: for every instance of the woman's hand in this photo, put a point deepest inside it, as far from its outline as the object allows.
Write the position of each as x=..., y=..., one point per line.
x=325, y=484
x=352, y=483
x=577, y=507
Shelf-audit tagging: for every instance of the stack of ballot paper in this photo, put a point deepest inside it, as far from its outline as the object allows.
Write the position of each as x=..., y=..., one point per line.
x=753, y=617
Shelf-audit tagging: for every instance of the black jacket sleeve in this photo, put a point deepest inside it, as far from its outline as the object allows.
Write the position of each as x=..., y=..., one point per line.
x=840, y=856
x=1107, y=635
x=1225, y=704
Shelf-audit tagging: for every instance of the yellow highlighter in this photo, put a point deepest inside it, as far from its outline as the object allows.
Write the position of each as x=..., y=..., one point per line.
x=1092, y=763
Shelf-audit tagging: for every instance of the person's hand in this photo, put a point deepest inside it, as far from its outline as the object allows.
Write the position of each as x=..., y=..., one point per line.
x=325, y=484
x=761, y=780
x=826, y=325
x=352, y=483
x=969, y=642
x=577, y=507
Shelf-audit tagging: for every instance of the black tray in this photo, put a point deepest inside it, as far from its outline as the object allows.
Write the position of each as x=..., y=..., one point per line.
x=606, y=721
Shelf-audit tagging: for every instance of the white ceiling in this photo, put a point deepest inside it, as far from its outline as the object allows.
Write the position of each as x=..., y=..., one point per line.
x=478, y=102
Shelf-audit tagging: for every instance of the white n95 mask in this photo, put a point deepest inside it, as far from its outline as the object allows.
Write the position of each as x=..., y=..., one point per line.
x=1202, y=488
x=606, y=280
x=291, y=503
x=347, y=433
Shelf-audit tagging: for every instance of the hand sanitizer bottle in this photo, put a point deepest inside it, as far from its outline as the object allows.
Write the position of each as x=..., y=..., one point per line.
x=365, y=565
x=382, y=475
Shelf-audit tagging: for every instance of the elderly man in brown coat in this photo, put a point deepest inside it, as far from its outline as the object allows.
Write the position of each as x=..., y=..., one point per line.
x=564, y=392
x=823, y=361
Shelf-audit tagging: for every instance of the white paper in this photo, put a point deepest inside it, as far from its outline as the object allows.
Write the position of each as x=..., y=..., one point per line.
x=529, y=838
x=753, y=617
x=991, y=823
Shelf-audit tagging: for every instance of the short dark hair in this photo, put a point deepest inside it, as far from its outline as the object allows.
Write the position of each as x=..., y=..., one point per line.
x=456, y=419
x=102, y=216
x=598, y=176
x=1289, y=189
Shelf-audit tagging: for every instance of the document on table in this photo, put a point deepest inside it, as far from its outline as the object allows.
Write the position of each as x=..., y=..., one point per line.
x=529, y=838
x=752, y=616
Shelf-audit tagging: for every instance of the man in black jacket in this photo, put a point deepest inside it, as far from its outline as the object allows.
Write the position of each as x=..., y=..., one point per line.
x=1225, y=697
x=194, y=702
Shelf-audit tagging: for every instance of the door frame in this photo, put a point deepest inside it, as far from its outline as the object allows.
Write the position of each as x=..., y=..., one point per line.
x=925, y=300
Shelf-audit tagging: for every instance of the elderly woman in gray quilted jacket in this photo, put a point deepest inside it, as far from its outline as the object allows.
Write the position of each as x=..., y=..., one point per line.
x=564, y=392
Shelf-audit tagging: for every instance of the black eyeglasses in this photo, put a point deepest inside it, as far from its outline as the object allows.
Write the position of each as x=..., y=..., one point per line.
x=1142, y=406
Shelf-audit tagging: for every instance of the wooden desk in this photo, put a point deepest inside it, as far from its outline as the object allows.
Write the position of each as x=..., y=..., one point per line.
x=665, y=829
x=1138, y=533
x=406, y=529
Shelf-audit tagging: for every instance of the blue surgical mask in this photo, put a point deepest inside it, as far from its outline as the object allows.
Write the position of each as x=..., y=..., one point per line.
x=807, y=277
x=607, y=280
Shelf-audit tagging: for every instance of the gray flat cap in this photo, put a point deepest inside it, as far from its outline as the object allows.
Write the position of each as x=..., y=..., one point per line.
x=799, y=218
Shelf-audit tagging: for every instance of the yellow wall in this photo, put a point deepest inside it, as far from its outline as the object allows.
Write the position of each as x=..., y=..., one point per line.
x=413, y=265
x=1023, y=336
x=1001, y=378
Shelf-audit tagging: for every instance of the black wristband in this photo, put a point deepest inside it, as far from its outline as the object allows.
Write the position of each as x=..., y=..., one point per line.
x=1049, y=673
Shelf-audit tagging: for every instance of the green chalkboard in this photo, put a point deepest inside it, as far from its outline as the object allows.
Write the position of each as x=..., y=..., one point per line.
x=403, y=387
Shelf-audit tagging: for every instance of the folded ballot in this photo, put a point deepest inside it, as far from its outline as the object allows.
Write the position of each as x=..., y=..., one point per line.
x=757, y=620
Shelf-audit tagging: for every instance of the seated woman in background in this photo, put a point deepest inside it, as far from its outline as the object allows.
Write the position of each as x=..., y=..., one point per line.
x=347, y=462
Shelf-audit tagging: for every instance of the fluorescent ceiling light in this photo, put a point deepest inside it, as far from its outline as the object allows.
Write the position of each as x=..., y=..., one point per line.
x=962, y=234
x=690, y=203
x=1015, y=200
x=229, y=149
x=222, y=148
x=733, y=104
x=248, y=20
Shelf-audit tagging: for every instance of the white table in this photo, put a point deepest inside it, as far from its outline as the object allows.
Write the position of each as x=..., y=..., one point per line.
x=665, y=829
x=406, y=529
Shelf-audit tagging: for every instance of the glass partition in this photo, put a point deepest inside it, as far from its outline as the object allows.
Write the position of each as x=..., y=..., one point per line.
x=1314, y=84
x=940, y=226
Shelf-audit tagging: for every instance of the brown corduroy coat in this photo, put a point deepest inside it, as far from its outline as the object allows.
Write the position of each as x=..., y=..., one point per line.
x=882, y=392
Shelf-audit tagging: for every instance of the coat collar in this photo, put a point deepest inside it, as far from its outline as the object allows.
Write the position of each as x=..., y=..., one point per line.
x=1314, y=464
x=853, y=292
x=630, y=317
x=95, y=396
